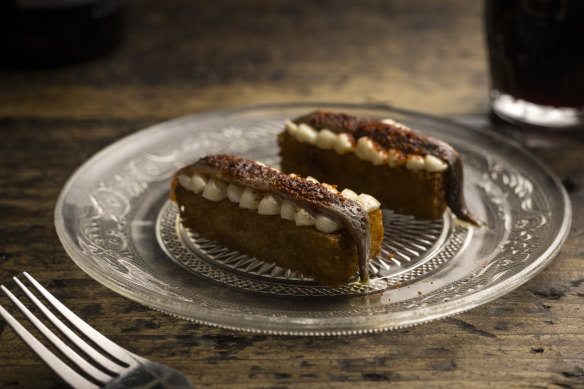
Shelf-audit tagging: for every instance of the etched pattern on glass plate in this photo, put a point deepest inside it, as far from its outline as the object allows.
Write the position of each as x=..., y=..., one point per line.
x=115, y=221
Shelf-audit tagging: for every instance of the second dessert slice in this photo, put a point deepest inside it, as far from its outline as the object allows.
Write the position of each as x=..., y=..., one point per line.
x=408, y=172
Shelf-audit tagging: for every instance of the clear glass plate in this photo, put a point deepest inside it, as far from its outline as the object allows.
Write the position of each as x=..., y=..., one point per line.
x=115, y=221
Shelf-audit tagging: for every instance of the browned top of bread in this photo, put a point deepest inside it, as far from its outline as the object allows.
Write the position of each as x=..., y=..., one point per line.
x=386, y=135
x=396, y=136
x=250, y=173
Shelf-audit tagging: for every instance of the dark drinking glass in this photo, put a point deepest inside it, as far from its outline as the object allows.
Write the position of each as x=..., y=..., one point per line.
x=536, y=57
x=46, y=33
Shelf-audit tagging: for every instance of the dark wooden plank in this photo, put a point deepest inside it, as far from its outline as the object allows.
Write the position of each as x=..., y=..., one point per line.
x=184, y=57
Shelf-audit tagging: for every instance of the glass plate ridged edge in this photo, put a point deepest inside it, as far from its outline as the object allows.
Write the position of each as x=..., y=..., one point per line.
x=406, y=255
x=419, y=309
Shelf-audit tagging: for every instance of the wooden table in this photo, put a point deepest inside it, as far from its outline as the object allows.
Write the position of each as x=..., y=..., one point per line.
x=184, y=57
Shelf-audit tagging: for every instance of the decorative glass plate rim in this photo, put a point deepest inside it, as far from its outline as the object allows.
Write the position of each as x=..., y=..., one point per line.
x=313, y=326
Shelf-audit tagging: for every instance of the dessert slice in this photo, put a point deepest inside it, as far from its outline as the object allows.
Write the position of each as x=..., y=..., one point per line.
x=407, y=172
x=296, y=223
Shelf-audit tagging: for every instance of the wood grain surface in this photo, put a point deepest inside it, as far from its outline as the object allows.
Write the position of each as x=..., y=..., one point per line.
x=183, y=57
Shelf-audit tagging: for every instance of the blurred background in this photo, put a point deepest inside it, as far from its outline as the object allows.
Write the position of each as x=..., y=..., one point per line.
x=178, y=57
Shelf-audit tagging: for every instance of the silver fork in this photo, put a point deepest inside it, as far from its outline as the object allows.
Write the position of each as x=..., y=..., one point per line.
x=119, y=369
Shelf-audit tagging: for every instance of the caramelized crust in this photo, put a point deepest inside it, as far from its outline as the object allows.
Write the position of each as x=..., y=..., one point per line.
x=387, y=136
x=413, y=192
x=330, y=259
x=249, y=173
x=418, y=193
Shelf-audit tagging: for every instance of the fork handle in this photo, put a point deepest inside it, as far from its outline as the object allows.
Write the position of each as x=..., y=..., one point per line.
x=151, y=375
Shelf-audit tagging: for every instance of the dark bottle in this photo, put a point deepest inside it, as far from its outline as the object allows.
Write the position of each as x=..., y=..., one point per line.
x=46, y=33
x=536, y=50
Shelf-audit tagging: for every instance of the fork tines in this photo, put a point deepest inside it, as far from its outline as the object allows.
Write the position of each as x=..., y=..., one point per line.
x=99, y=372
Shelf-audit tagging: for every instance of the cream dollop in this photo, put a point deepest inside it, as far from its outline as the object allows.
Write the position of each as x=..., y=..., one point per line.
x=365, y=148
x=234, y=193
x=325, y=139
x=304, y=218
x=250, y=199
x=325, y=224
x=215, y=190
x=434, y=164
x=185, y=181
x=343, y=144
x=395, y=158
x=415, y=162
x=349, y=194
x=368, y=202
x=198, y=182
x=270, y=205
x=305, y=133
x=288, y=210
x=330, y=188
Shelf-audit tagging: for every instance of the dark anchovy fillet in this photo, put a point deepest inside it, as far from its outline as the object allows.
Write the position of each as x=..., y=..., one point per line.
x=308, y=194
x=394, y=136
